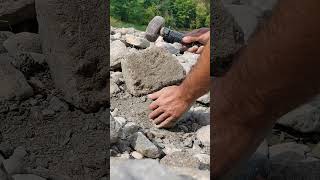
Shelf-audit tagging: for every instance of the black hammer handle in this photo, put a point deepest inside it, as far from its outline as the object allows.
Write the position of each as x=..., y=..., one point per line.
x=171, y=36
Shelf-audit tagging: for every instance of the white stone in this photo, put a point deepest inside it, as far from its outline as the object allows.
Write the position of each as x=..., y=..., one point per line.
x=136, y=155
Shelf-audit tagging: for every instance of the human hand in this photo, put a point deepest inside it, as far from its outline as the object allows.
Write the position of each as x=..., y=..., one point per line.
x=169, y=104
x=201, y=35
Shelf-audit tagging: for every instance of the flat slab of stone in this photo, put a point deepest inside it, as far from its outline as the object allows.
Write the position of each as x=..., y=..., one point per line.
x=150, y=70
x=14, y=84
x=75, y=42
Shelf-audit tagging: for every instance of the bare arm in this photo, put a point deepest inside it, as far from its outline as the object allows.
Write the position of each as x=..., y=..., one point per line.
x=171, y=102
x=276, y=72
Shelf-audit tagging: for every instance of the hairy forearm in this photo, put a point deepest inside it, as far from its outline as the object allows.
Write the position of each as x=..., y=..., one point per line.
x=197, y=82
x=276, y=72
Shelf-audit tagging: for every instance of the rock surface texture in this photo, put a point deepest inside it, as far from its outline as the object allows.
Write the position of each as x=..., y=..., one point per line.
x=76, y=52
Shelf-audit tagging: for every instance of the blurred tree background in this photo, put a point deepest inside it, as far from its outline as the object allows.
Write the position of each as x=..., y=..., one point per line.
x=179, y=14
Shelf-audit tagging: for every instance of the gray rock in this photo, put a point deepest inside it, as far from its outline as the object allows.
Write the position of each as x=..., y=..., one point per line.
x=140, y=170
x=181, y=159
x=114, y=88
x=16, y=86
x=23, y=42
x=150, y=70
x=130, y=128
x=75, y=51
x=289, y=151
x=30, y=63
x=115, y=130
x=203, y=134
x=305, y=118
x=143, y=145
x=4, y=35
x=14, y=164
x=117, y=51
x=57, y=105
x=137, y=41
x=122, y=121
x=27, y=177
x=169, y=47
x=15, y=12
x=246, y=17
x=205, y=99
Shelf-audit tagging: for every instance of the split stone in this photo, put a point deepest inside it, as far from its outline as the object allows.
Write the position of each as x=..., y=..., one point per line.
x=137, y=41
x=203, y=134
x=181, y=159
x=117, y=51
x=75, y=52
x=150, y=70
x=4, y=35
x=23, y=42
x=15, y=12
x=16, y=86
x=143, y=145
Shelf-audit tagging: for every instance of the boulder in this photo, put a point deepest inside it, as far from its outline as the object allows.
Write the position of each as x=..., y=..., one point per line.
x=14, y=83
x=75, y=42
x=16, y=11
x=149, y=70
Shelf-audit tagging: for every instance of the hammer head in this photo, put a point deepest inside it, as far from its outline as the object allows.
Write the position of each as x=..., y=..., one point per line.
x=154, y=27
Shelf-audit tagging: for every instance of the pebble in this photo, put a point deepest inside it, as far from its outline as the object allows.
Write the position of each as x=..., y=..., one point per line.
x=136, y=155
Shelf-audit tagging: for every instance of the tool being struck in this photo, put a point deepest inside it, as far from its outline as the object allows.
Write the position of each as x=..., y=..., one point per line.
x=156, y=28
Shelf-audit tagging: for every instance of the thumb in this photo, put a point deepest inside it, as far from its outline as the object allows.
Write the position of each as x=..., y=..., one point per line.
x=155, y=95
x=190, y=39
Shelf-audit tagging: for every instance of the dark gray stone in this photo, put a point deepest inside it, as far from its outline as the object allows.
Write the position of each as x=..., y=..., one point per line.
x=23, y=42
x=4, y=35
x=150, y=70
x=75, y=42
x=14, y=84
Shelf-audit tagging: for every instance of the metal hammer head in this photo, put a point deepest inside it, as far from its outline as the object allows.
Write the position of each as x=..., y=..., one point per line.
x=154, y=28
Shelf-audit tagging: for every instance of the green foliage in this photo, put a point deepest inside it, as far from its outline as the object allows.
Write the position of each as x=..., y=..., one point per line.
x=179, y=14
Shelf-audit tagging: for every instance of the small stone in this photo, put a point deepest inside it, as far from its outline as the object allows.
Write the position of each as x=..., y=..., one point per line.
x=136, y=155
x=115, y=130
x=144, y=146
x=57, y=105
x=114, y=88
x=115, y=112
x=203, y=134
x=125, y=156
x=188, y=143
x=14, y=164
x=130, y=128
x=4, y=35
x=117, y=50
x=205, y=99
x=137, y=41
x=122, y=121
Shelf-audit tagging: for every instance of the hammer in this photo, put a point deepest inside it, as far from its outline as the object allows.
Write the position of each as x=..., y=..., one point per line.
x=156, y=28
